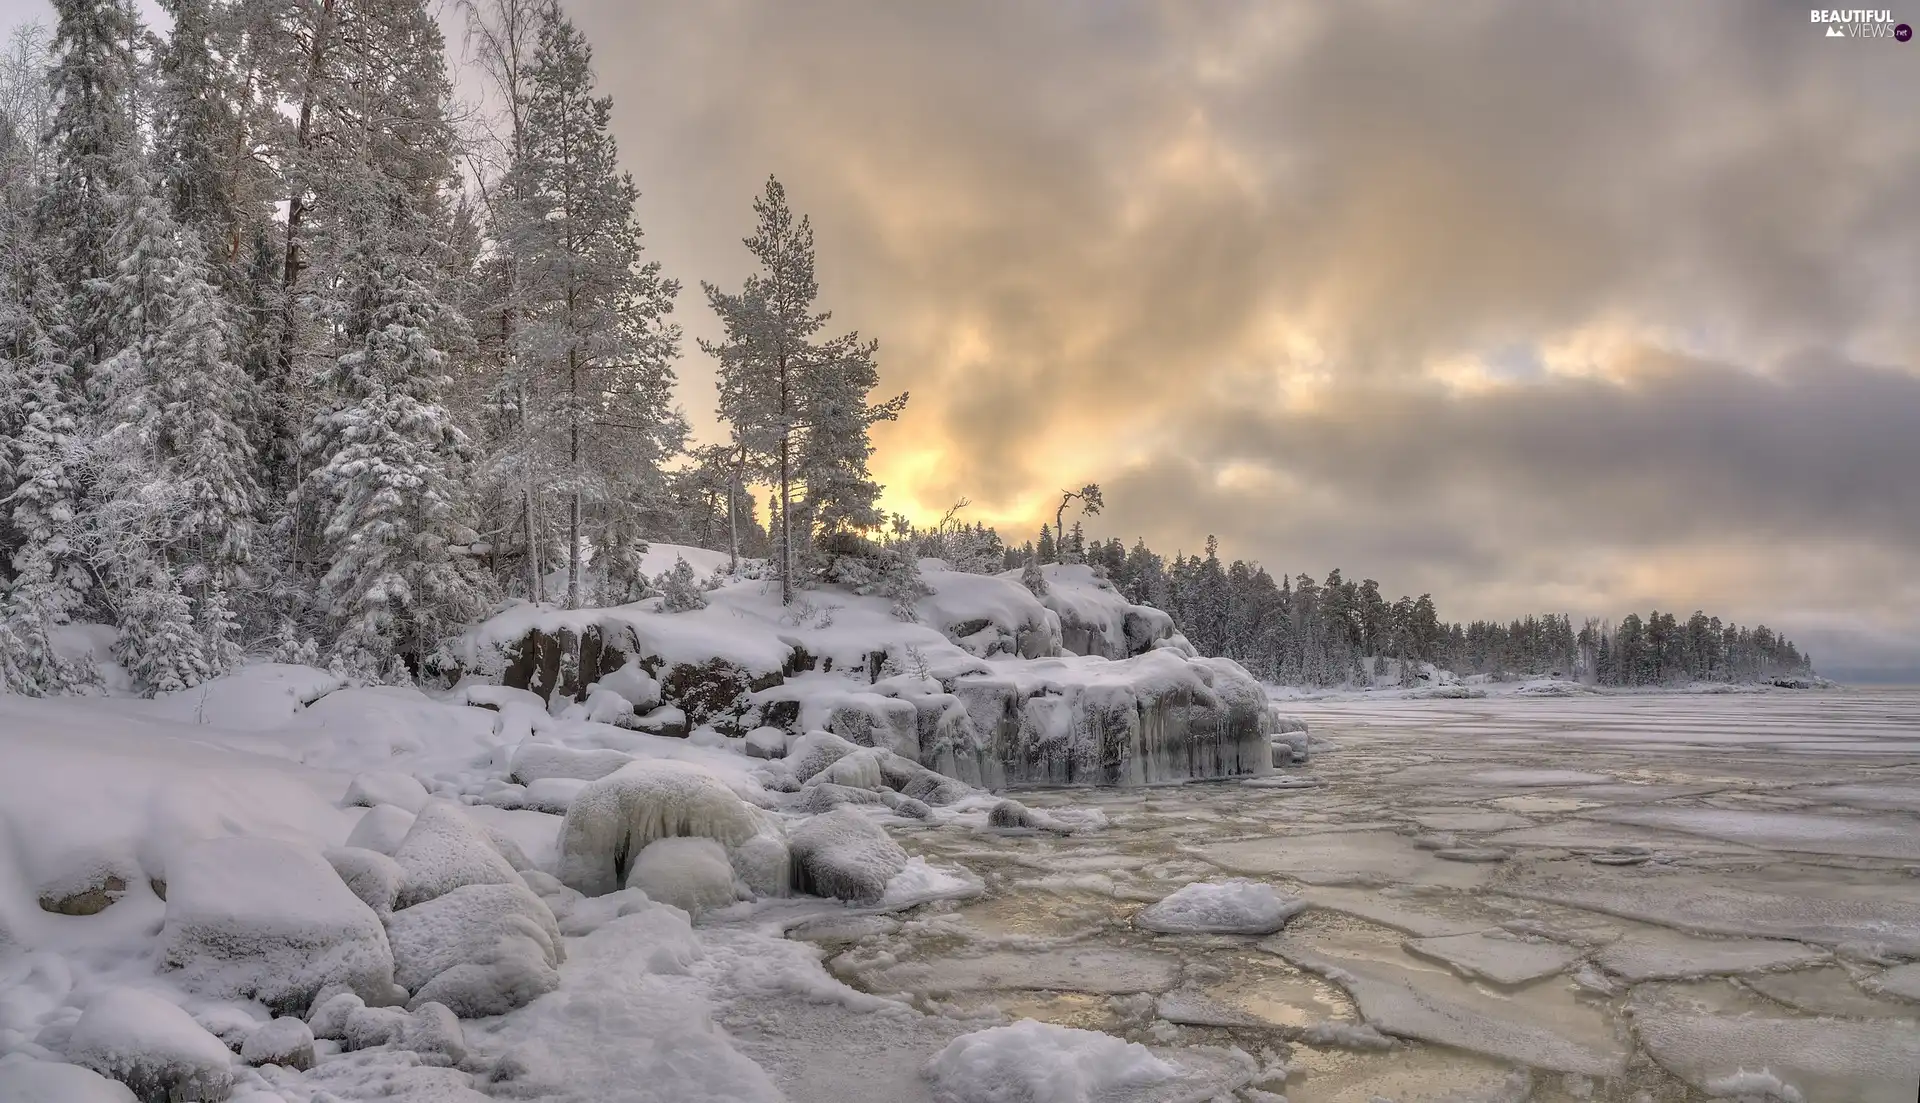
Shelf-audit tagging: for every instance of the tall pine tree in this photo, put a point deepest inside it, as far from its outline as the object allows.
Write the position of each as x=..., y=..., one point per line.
x=594, y=336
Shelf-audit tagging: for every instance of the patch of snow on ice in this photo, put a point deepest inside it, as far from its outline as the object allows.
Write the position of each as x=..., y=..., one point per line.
x=1034, y=1062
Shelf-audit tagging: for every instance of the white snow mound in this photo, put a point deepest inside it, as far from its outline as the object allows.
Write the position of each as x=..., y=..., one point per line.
x=1237, y=906
x=30, y=1081
x=1034, y=1062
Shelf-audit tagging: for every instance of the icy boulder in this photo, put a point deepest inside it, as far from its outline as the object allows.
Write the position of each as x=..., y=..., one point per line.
x=1162, y=716
x=870, y=720
x=764, y=865
x=1035, y=1062
x=286, y=1041
x=479, y=949
x=843, y=854
x=151, y=1046
x=258, y=919
x=1225, y=907
x=444, y=850
x=29, y=1081
x=692, y=874
x=613, y=819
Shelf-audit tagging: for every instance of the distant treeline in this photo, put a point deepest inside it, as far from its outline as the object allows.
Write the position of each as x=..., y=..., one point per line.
x=1296, y=631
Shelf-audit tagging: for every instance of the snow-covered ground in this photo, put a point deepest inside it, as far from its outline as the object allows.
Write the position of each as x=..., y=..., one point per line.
x=282, y=890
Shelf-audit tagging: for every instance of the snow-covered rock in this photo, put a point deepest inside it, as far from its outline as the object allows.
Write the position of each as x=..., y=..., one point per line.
x=845, y=855
x=285, y=1041
x=478, y=949
x=369, y=790
x=814, y=752
x=1095, y=618
x=826, y=796
x=1035, y=1062
x=613, y=819
x=24, y=1080
x=1011, y=814
x=444, y=850
x=151, y=1046
x=634, y=684
x=860, y=770
x=766, y=743
x=1225, y=907
x=692, y=874
x=433, y=1031
x=382, y=829
x=534, y=761
x=251, y=918
x=375, y=878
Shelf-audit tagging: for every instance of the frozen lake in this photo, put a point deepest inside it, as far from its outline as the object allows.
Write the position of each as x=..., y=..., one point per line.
x=1621, y=897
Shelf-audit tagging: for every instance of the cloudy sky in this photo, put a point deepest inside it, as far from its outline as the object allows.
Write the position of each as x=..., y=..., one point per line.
x=1581, y=307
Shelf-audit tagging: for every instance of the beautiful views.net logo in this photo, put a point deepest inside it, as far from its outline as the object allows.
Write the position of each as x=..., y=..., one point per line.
x=1861, y=23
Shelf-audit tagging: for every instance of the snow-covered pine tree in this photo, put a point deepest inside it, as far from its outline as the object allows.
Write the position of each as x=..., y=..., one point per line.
x=48, y=582
x=348, y=86
x=840, y=492
x=680, y=590
x=94, y=139
x=387, y=467
x=158, y=643
x=797, y=403
x=594, y=338
x=1033, y=578
x=201, y=402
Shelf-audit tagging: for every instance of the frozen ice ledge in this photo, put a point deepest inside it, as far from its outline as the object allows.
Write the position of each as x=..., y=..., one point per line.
x=985, y=685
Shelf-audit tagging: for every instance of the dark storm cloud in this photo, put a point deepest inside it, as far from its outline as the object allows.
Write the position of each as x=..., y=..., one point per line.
x=1217, y=255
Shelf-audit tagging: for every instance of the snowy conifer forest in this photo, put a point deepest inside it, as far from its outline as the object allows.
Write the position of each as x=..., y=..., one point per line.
x=401, y=700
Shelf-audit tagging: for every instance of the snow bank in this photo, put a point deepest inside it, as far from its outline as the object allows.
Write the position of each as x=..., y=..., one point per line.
x=89, y=793
x=256, y=697
x=613, y=819
x=628, y=1024
x=252, y=918
x=1226, y=907
x=30, y=1081
x=1034, y=1062
x=151, y=1046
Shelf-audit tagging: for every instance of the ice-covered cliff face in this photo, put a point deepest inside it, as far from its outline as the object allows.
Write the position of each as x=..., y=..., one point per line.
x=989, y=686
